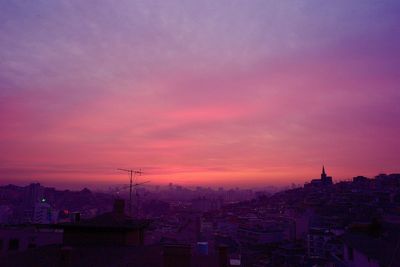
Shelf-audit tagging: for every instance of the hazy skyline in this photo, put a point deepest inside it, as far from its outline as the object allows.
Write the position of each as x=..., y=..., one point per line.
x=198, y=92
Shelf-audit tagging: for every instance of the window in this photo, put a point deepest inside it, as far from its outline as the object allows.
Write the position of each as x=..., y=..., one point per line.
x=13, y=244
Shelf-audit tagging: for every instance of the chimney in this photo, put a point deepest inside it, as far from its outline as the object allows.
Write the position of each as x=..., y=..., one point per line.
x=119, y=206
x=223, y=256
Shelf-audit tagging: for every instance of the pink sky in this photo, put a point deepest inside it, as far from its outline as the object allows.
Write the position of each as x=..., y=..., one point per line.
x=198, y=92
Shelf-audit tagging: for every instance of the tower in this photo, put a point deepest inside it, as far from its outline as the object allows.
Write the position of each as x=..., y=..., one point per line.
x=323, y=174
x=325, y=179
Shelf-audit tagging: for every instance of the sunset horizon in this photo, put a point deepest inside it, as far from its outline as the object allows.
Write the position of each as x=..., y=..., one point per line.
x=103, y=180
x=212, y=133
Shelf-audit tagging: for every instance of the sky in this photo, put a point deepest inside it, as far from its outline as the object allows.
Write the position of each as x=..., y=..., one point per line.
x=216, y=93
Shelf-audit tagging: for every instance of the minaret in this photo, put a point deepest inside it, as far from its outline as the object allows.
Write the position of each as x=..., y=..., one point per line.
x=323, y=174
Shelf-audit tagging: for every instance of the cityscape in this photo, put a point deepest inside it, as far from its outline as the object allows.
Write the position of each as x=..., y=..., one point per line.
x=349, y=223
x=188, y=133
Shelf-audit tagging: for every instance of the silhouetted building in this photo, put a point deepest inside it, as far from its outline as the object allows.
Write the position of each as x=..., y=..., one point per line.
x=43, y=213
x=258, y=235
x=366, y=247
x=19, y=238
x=112, y=228
x=316, y=241
x=325, y=180
x=34, y=194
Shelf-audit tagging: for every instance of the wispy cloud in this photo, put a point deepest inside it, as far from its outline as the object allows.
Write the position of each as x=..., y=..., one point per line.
x=198, y=91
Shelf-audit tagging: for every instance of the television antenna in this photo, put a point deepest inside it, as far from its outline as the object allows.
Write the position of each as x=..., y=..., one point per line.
x=132, y=174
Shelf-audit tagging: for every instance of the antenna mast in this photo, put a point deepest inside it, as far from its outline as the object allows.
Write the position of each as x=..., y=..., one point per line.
x=132, y=174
